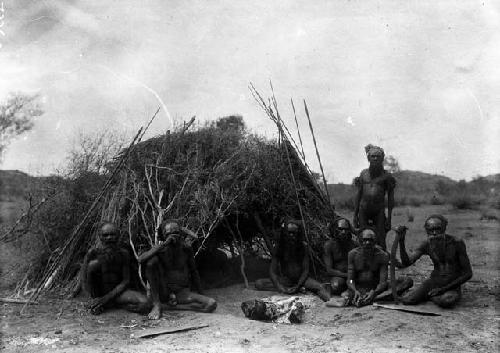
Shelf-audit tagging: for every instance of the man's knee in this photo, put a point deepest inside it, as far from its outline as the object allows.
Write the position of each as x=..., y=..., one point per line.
x=211, y=305
x=446, y=300
x=93, y=266
x=404, y=284
x=260, y=284
x=411, y=298
x=338, y=285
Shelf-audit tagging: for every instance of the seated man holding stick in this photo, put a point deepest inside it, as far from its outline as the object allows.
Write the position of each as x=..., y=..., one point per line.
x=106, y=275
x=451, y=264
x=367, y=273
x=289, y=271
x=170, y=271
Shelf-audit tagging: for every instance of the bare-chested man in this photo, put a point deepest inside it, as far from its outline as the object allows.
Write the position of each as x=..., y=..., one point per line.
x=373, y=183
x=171, y=273
x=289, y=269
x=367, y=273
x=451, y=264
x=106, y=275
x=335, y=253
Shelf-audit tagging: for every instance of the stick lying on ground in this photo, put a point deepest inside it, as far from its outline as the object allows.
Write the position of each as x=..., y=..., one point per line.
x=165, y=330
x=407, y=309
x=16, y=301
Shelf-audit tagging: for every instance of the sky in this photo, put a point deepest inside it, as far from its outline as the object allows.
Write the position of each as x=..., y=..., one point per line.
x=420, y=78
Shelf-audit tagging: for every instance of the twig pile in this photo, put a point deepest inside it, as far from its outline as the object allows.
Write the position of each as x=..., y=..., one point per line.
x=230, y=188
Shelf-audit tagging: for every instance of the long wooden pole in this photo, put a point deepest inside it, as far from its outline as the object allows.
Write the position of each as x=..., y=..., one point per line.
x=317, y=155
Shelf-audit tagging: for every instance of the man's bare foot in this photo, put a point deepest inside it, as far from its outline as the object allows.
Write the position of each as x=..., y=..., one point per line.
x=155, y=313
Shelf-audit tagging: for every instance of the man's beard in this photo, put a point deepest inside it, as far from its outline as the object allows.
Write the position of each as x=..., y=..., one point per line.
x=376, y=168
x=368, y=251
x=437, y=245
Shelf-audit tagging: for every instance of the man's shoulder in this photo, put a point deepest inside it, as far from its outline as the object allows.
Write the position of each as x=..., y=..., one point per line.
x=455, y=240
x=355, y=252
x=329, y=244
x=381, y=254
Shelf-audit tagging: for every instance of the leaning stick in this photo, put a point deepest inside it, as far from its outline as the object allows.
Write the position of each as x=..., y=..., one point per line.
x=292, y=176
x=49, y=275
x=392, y=267
x=317, y=154
x=298, y=130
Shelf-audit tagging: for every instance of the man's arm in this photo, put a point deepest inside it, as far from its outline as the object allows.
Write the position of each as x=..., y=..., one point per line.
x=465, y=267
x=357, y=200
x=84, y=278
x=390, y=201
x=351, y=271
x=415, y=255
x=193, y=271
x=328, y=260
x=383, y=275
x=305, y=269
x=145, y=256
x=273, y=274
x=98, y=303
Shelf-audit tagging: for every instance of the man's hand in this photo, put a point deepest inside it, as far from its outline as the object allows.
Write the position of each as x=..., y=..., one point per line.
x=388, y=224
x=357, y=297
x=291, y=290
x=401, y=231
x=436, y=291
x=368, y=298
x=96, y=305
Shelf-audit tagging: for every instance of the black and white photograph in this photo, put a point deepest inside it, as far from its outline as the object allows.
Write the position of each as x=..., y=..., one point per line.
x=249, y=176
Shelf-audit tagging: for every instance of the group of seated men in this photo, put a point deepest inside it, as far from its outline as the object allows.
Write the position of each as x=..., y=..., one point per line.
x=357, y=269
x=170, y=271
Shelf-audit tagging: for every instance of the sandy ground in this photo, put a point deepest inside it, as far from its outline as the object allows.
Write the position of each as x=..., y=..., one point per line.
x=473, y=326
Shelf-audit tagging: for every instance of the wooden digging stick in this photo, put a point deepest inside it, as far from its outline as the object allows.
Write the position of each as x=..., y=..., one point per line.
x=392, y=268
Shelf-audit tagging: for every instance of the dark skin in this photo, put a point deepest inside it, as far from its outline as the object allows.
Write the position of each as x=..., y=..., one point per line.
x=367, y=270
x=451, y=264
x=172, y=273
x=289, y=270
x=335, y=253
x=373, y=184
x=106, y=276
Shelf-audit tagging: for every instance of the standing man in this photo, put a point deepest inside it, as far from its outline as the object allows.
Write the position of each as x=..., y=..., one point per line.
x=106, y=275
x=335, y=253
x=451, y=264
x=373, y=184
x=172, y=274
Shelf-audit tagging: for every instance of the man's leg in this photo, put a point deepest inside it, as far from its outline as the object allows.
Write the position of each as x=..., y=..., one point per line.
x=402, y=285
x=265, y=284
x=187, y=300
x=154, y=278
x=133, y=301
x=338, y=285
x=94, y=279
x=346, y=299
x=419, y=294
x=316, y=287
x=448, y=299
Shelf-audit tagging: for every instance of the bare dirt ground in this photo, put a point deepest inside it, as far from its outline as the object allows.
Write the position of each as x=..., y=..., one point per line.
x=63, y=326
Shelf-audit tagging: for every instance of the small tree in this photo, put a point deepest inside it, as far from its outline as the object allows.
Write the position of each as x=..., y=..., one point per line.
x=391, y=164
x=17, y=116
x=234, y=122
